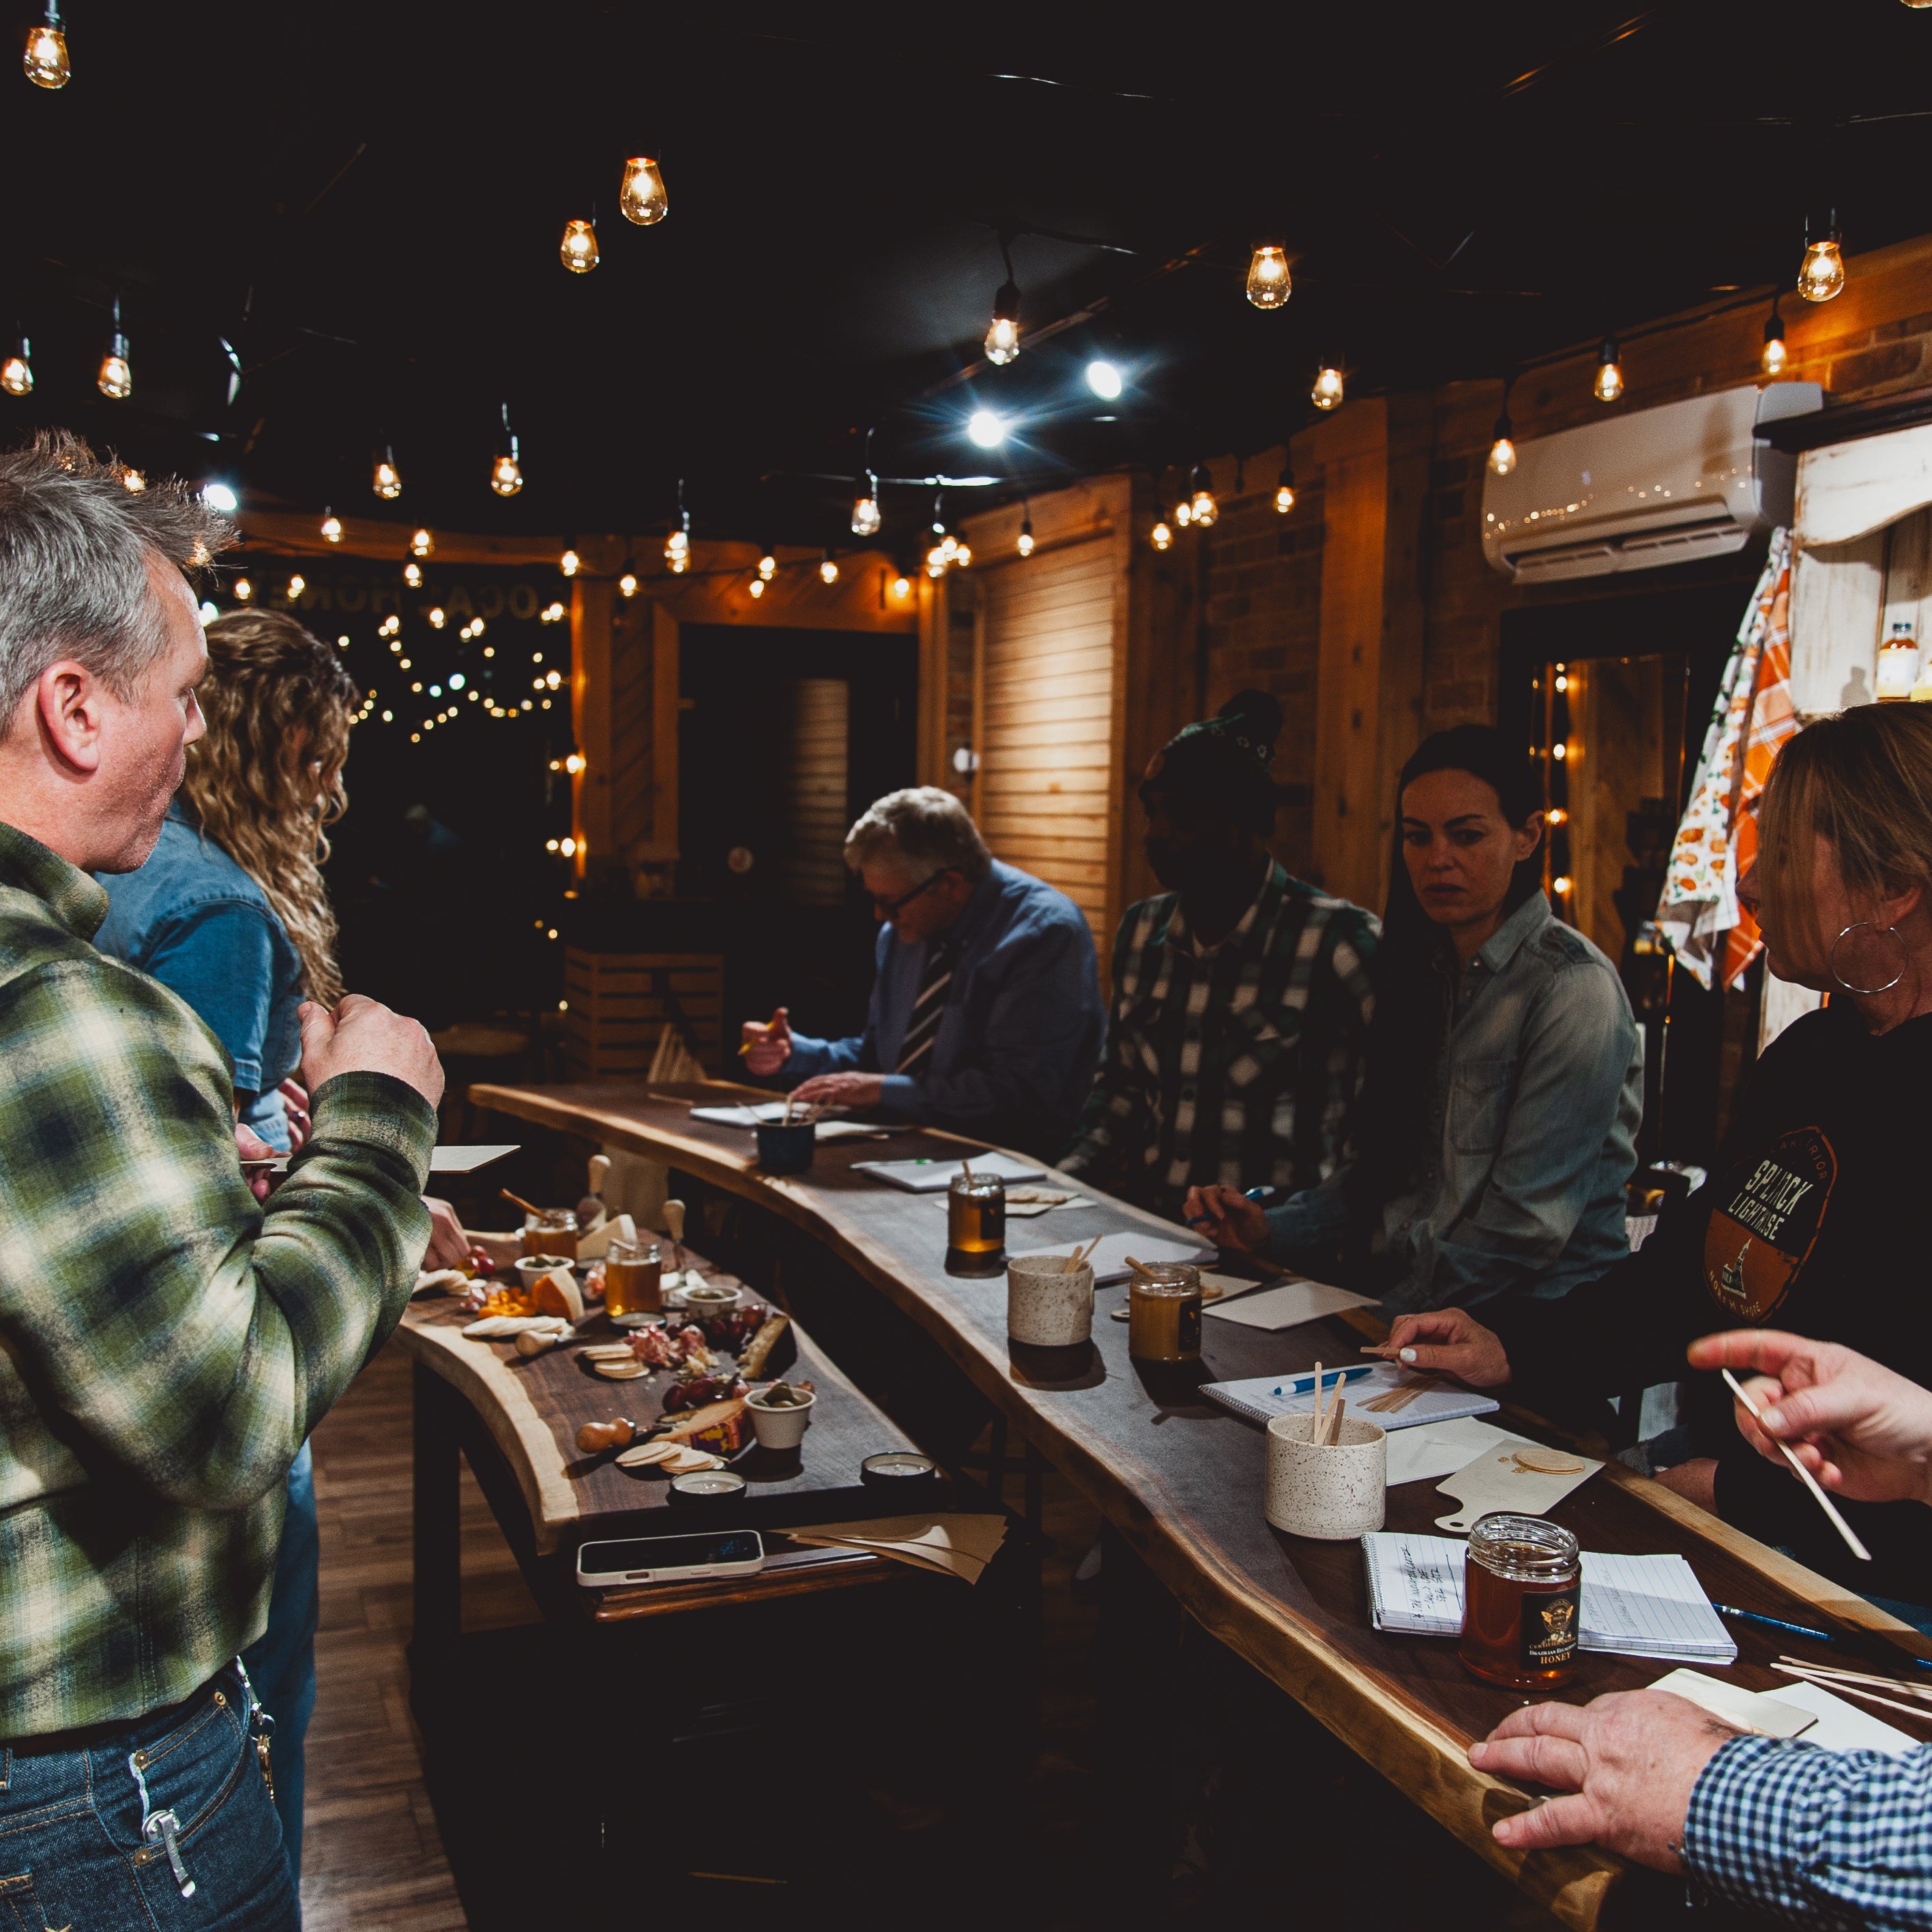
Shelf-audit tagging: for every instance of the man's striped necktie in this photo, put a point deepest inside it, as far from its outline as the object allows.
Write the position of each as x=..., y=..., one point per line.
x=929, y=1009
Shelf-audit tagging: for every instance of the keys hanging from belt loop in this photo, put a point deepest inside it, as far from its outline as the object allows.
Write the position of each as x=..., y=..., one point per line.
x=159, y=1827
x=261, y=1727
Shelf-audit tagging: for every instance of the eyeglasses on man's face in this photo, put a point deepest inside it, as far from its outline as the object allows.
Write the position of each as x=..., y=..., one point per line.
x=890, y=908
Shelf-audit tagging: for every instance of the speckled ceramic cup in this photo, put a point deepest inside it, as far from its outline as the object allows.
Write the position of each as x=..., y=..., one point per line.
x=1045, y=1308
x=1334, y=1492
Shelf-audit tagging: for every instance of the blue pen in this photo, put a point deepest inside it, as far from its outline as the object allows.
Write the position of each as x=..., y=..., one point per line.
x=1330, y=1378
x=1870, y=1645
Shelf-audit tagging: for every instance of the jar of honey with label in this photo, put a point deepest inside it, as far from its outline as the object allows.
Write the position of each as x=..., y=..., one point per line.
x=1521, y=1584
x=1164, y=1314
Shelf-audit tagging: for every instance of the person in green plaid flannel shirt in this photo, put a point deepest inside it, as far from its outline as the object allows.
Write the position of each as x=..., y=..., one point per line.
x=167, y=1341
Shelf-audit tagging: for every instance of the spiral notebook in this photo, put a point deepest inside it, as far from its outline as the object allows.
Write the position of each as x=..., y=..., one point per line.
x=1262, y=1398
x=1632, y=1606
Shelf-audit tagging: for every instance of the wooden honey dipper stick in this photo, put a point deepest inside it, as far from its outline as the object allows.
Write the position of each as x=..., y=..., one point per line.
x=528, y=1206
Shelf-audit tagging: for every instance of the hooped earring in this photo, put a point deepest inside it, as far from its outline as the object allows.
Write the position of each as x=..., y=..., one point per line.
x=1891, y=933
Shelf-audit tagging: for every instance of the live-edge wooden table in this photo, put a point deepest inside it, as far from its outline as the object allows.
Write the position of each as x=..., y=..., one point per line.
x=1181, y=1479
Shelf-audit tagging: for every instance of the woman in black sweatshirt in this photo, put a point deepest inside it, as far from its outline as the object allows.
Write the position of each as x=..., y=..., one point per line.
x=1818, y=1215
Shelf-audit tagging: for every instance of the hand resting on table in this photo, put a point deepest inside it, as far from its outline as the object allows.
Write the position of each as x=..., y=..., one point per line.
x=1629, y=1762
x=1451, y=1342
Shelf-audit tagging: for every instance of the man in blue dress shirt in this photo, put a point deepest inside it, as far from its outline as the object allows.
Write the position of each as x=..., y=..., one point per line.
x=986, y=1016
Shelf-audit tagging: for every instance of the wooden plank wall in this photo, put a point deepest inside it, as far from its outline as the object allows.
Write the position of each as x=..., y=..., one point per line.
x=815, y=779
x=1048, y=698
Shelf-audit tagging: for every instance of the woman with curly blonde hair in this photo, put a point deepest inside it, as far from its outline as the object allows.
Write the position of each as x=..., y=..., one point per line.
x=231, y=913
x=231, y=910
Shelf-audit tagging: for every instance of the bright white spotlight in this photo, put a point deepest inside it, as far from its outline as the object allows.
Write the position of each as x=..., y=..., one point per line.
x=1104, y=379
x=220, y=498
x=457, y=681
x=986, y=429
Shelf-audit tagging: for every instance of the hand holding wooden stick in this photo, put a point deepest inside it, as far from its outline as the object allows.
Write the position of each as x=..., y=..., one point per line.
x=1805, y=1475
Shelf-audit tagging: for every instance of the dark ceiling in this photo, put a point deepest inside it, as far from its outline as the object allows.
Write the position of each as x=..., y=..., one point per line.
x=366, y=201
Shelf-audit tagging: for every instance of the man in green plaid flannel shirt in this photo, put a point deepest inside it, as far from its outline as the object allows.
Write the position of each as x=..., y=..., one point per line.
x=167, y=1342
x=1241, y=998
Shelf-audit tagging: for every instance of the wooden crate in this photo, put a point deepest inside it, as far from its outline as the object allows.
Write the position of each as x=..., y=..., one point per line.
x=617, y=1005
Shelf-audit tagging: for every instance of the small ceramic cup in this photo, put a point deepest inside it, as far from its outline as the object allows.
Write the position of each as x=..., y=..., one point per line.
x=782, y=1427
x=1044, y=1308
x=532, y=1268
x=705, y=1300
x=1335, y=1491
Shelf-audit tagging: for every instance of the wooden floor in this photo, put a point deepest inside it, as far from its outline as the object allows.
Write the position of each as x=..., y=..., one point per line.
x=372, y=1856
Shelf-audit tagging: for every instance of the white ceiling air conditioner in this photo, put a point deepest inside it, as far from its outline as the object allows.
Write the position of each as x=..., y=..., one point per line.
x=1635, y=492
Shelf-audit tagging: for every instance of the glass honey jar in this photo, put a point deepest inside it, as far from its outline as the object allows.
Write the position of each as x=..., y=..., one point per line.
x=1164, y=1314
x=976, y=1224
x=1522, y=1581
x=552, y=1233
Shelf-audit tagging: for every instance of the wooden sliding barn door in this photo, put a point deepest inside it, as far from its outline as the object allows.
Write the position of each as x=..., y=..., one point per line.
x=1047, y=700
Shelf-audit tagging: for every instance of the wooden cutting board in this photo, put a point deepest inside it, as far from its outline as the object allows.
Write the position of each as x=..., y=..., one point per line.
x=1518, y=1475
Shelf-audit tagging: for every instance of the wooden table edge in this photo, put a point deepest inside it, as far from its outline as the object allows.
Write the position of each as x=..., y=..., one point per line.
x=1377, y=1721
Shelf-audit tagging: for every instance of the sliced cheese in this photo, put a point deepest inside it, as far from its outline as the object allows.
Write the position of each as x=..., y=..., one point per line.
x=557, y=1293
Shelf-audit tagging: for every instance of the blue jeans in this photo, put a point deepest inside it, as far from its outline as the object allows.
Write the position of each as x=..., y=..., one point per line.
x=281, y=1661
x=73, y=1852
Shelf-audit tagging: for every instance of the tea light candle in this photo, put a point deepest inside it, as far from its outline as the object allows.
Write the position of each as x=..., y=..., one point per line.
x=708, y=1485
x=898, y=1465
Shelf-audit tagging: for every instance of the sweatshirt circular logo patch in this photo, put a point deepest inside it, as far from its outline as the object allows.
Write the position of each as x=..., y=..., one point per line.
x=1757, y=1242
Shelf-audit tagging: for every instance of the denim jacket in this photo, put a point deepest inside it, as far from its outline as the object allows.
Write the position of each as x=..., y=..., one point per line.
x=1535, y=1103
x=193, y=919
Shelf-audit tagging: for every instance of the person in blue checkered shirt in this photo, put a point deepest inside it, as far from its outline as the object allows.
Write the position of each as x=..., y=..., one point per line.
x=1774, y=1826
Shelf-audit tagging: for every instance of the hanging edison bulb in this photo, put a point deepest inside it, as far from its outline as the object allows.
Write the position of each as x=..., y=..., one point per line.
x=1160, y=536
x=1822, y=274
x=577, y=250
x=422, y=544
x=331, y=526
x=1025, y=545
x=1183, y=514
x=1269, y=282
x=1609, y=383
x=412, y=575
x=388, y=481
x=1502, y=451
x=828, y=570
x=1775, y=355
x=16, y=373
x=865, y=516
x=1326, y=393
x=133, y=481
x=1002, y=333
x=45, y=61
x=506, y=473
x=768, y=564
x=1201, y=505
x=627, y=584
x=570, y=563
x=116, y=378
x=757, y=587
x=641, y=194
x=677, y=551
x=244, y=590
x=297, y=584
x=1284, y=489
